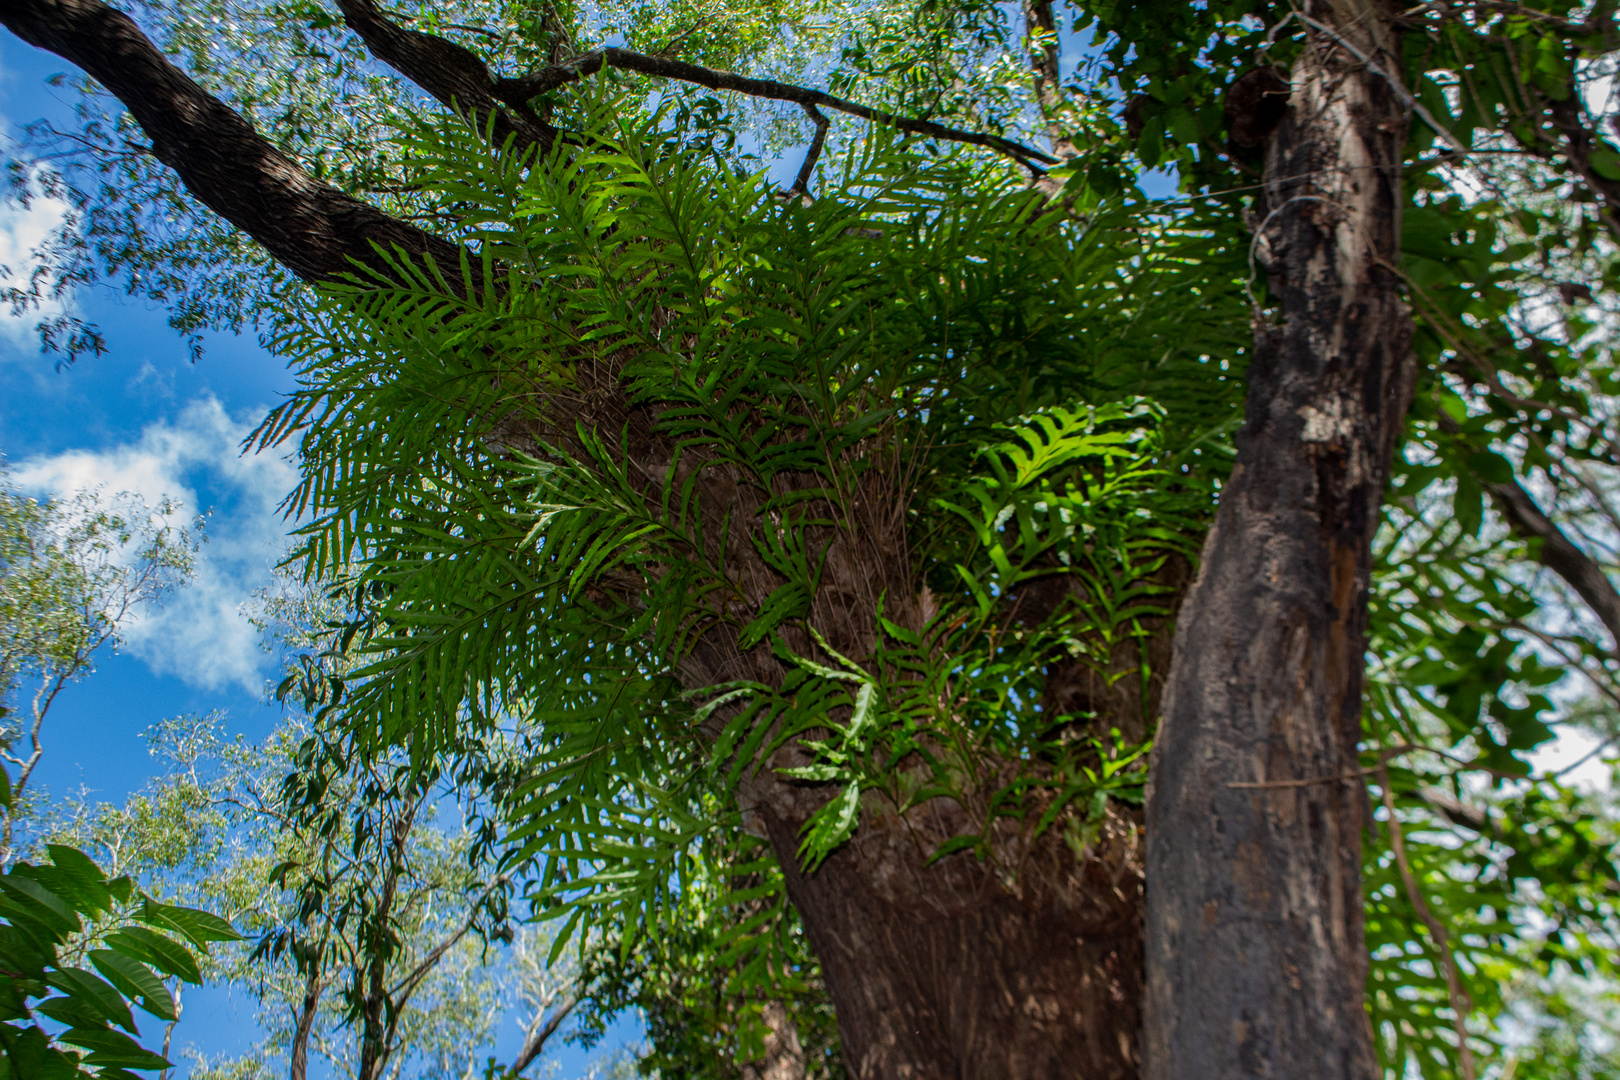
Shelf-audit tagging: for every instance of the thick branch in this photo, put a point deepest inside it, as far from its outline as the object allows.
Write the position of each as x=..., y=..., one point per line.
x=314, y=230
x=1559, y=554
x=455, y=76
x=528, y=87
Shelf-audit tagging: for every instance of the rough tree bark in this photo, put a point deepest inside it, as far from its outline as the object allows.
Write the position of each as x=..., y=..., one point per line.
x=1024, y=965
x=1255, y=948
x=784, y=1055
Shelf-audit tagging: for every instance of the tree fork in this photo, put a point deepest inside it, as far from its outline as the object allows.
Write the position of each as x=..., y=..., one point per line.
x=1255, y=948
x=456, y=77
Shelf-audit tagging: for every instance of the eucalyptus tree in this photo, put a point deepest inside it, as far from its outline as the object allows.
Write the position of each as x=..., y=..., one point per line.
x=855, y=520
x=73, y=573
x=364, y=886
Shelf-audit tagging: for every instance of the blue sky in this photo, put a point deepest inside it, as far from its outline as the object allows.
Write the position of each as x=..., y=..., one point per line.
x=144, y=418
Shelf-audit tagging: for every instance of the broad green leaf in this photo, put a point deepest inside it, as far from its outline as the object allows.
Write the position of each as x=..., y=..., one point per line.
x=35, y=900
x=163, y=953
x=108, y=1047
x=95, y=994
x=135, y=981
x=200, y=927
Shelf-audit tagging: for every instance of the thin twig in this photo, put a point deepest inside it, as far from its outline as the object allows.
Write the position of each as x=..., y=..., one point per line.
x=1556, y=644
x=530, y=86
x=421, y=970
x=1583, y=759
x=1461, y=1004
x=675, y=41
x=1384, y=757
x=1446, y=327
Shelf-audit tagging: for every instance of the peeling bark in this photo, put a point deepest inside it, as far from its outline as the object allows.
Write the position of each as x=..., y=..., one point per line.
x=1255, y=948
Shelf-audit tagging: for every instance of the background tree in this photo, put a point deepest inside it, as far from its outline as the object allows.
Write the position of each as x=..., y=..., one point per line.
x=368, y=885
x=72, y=575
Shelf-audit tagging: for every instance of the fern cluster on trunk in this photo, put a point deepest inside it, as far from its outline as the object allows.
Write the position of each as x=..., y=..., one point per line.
x=797, y=519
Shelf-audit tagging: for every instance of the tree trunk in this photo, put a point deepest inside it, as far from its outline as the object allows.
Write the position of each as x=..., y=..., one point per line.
x=1255, y=953
x=953, y=970
x=307, y=1011
x=1024, y=965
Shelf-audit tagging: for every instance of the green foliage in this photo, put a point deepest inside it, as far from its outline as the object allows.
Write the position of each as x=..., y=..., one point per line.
x=1039, y=398
x=70, y=570
x=60, y=1019
x=907, y=348
x=72, y=573
x=318, y=892
x=703, y=1014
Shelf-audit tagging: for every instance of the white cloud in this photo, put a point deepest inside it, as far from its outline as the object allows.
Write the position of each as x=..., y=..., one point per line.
x=201, y=633
x=1578, y=752
x=22, y=230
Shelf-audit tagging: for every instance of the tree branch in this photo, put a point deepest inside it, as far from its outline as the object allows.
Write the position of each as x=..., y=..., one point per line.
x=523, y=89
x=409, y=983
x=455, y=76
x=801, y=186
x=314, y=230
x=1555, y=551
x=534, y=1040
x=1559, y=554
